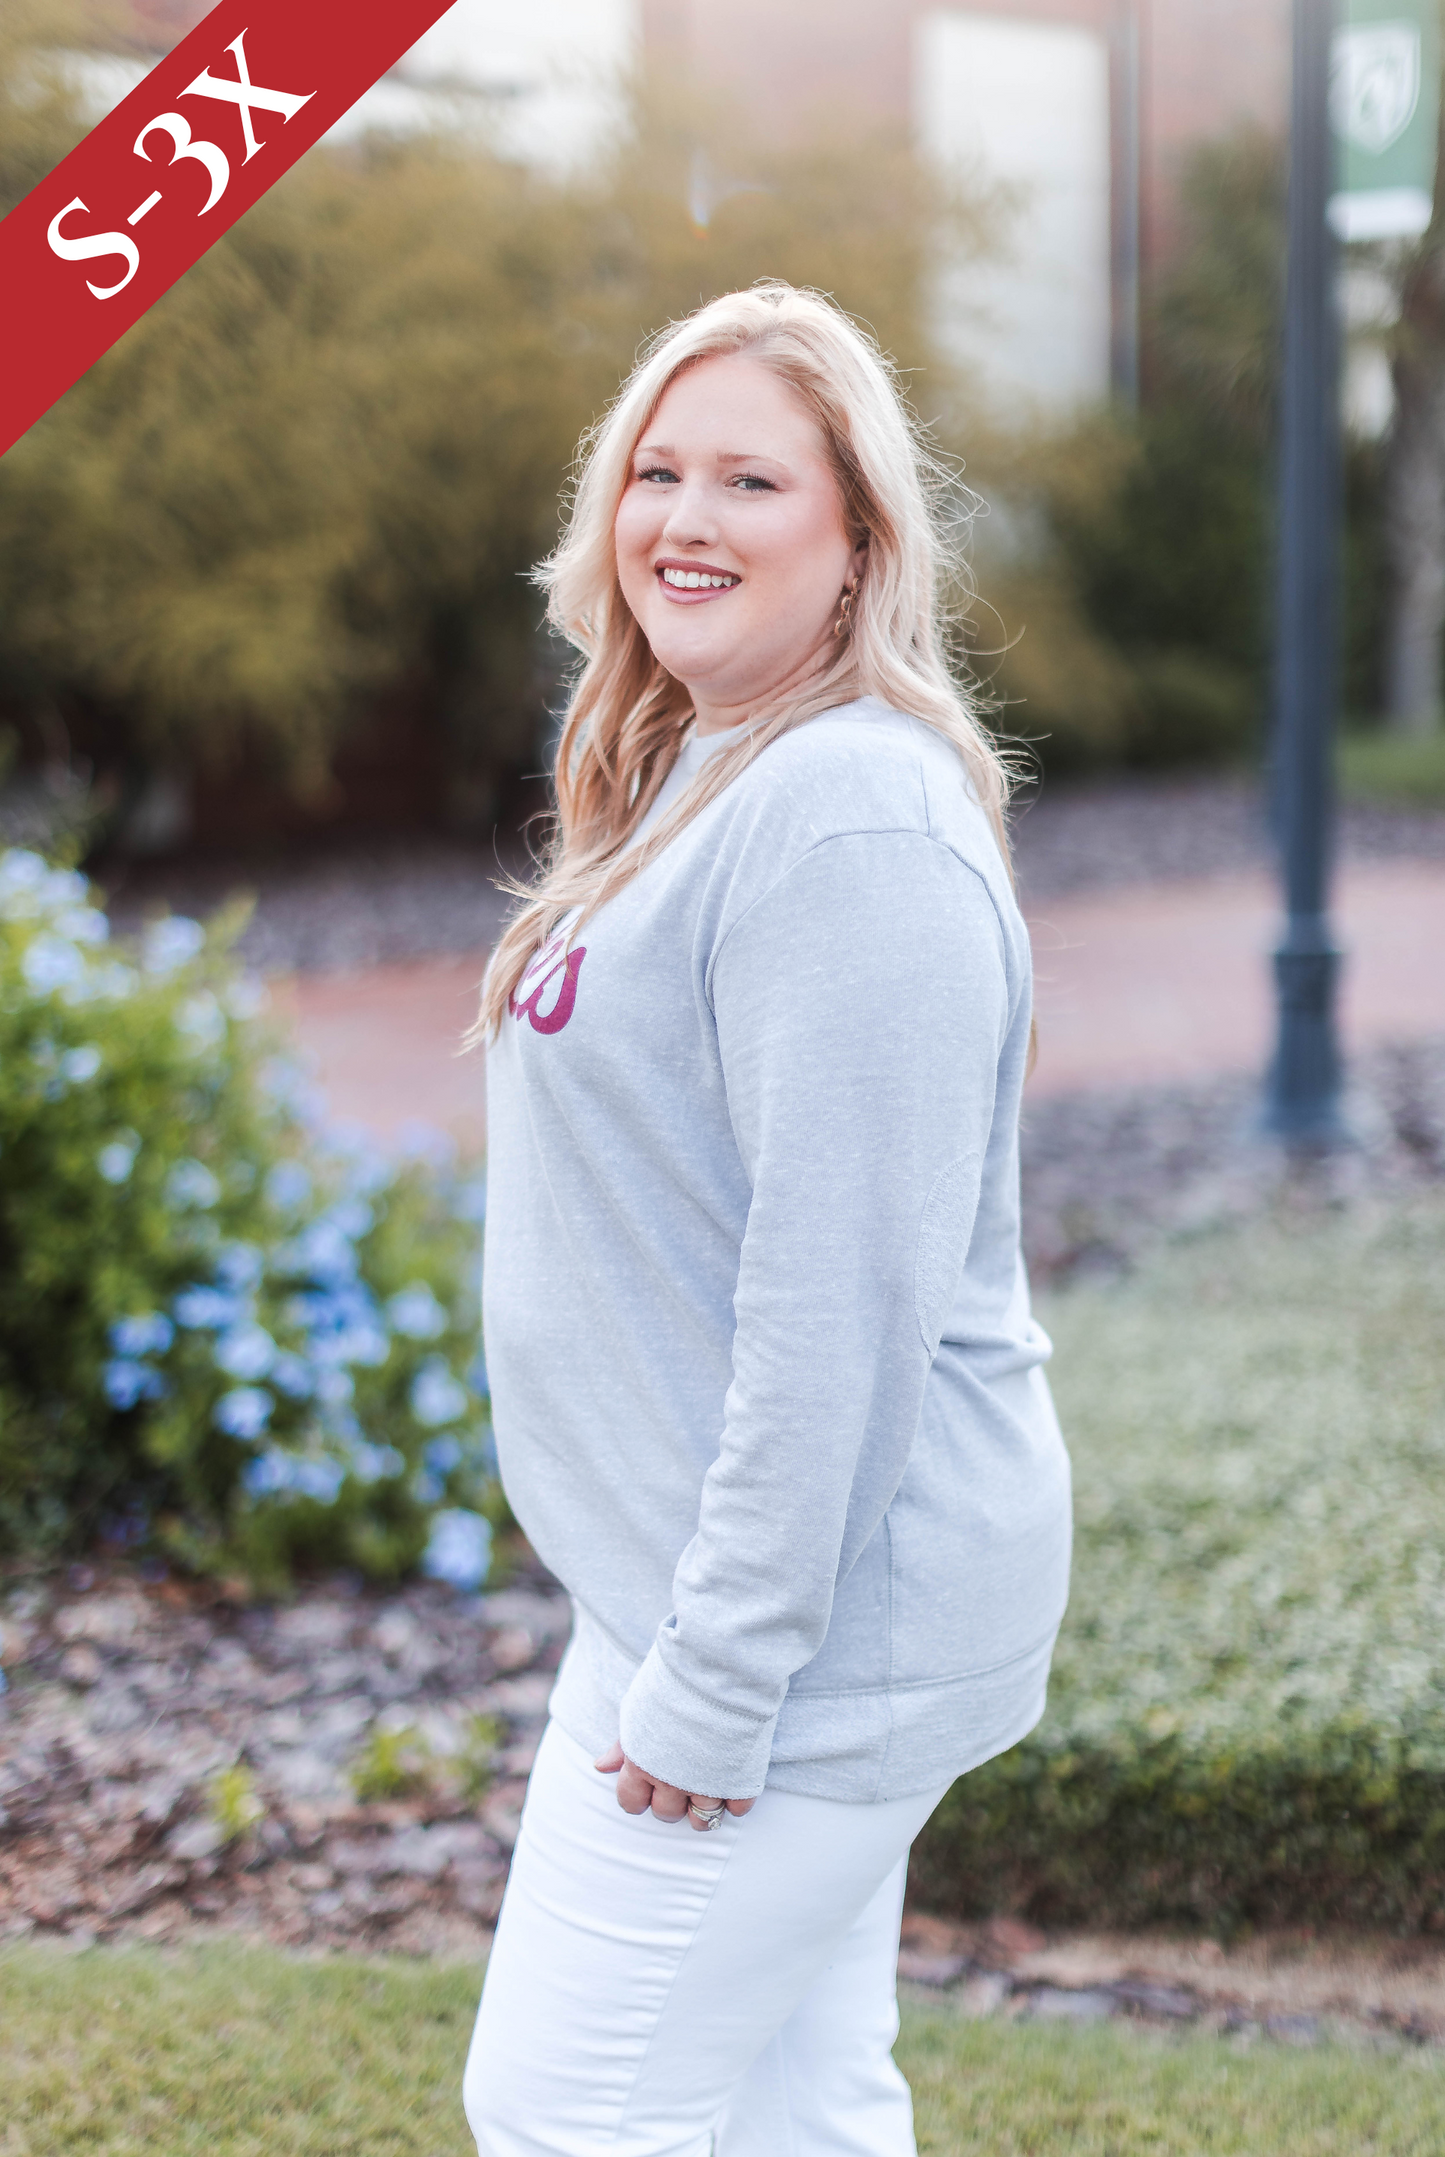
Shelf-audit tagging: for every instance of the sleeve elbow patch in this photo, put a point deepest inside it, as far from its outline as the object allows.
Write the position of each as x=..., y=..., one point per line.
x=944, y=1234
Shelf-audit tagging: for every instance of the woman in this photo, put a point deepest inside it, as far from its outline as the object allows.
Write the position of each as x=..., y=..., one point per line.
x=768, y=1397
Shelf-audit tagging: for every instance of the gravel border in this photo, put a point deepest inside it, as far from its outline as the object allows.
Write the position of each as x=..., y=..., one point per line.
x=1148, y=829
x=1109, y=1175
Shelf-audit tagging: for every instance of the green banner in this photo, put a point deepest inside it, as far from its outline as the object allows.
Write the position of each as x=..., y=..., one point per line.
x=1385, y=117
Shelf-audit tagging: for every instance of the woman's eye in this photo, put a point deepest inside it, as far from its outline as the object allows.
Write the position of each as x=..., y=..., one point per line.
x=754, y=483
x=659, y=472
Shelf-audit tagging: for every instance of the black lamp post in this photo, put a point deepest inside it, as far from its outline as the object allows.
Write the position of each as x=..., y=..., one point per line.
x=1302, y=1098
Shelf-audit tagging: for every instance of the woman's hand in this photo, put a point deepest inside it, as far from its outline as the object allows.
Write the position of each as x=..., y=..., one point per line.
x=636, y=1791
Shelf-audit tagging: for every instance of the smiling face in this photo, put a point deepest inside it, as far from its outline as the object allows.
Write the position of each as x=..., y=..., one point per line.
x=731, y=547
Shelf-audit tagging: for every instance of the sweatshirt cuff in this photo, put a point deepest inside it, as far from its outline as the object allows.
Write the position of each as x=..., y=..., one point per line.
x=685, y=1738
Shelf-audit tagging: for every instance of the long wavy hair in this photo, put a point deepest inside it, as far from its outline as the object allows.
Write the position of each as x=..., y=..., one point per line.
x=627, y=716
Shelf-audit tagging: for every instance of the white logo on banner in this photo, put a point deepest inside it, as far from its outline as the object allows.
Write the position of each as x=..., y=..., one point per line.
x=1374, y=83
x=244, y=95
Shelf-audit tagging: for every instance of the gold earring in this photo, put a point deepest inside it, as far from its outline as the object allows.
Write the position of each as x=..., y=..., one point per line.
x=845, y=609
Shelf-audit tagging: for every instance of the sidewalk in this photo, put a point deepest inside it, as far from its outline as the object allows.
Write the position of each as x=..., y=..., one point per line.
x=1172, y=981
x=385, y=1043
x=1147, y=984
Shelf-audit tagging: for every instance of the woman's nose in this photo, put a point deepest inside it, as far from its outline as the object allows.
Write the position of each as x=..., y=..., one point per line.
x=690, y=520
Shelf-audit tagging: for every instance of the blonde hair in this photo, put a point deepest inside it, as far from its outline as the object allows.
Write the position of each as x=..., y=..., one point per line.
x=627, y=716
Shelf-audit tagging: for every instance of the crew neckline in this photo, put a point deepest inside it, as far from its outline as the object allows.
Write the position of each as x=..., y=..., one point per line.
x=706, y=744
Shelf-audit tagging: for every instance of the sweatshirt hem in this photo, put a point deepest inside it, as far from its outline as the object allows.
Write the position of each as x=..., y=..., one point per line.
x=857, y=1747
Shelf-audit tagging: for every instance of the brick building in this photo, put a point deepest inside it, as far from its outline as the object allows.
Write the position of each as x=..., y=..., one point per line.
x=1082, y=109
x=1086, y=107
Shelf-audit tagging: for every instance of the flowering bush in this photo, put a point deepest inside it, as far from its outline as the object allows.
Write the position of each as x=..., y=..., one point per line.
x=224, y=1331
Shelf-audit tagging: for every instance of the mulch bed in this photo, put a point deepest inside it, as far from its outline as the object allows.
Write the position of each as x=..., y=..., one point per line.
x=128, y=1697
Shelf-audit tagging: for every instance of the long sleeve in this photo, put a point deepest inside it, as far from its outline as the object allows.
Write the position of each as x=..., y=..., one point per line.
x=860, y=1005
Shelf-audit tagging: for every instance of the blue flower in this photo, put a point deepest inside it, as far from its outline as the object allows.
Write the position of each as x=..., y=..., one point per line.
x=202, y=1309
x=368, y=1169
x=115, y=979
x=319, y=1479
x=240, y=1266
x=469, y=1201
x=190, y=1185
x=339, y=1345
x=244, y=1412
x=150, y=1334
x=289, y=1186
x=127, y=1382
x=427, y=1489
x=288, y=1085
x=322, y=1252
x=246, y=997
x=80, y=1064
x=291, y=1374
x=437, y=1396
x=246, y=1351
x=459, y=1548
x=482, y=1450
x=353, y=1217
x=334, y=1388
x=115, y=1161
x=268, y=1472
x=171, y=943
x=443, y=1454
x=29, y=887
x=202, y=1021
x=369, y=1463
x=342, y=1324
x=83, y=924
x=22, y=881
x=308, y=1476
x=51, y=963
x=415, y=1312
x=477, y=1377
x=65, y=887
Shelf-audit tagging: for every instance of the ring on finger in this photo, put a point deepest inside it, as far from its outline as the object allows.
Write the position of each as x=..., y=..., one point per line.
x=707, y=1816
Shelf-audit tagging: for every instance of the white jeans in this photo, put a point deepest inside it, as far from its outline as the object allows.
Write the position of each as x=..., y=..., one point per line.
x=655, y=1992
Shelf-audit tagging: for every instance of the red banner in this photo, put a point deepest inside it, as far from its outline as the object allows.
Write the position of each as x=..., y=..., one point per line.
x=172, y=168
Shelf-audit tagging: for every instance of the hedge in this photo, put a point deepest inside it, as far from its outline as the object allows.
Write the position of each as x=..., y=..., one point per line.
x=1247, y=1716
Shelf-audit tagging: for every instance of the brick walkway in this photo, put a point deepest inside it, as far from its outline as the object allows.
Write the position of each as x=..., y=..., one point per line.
x=385, y=1042
x=1163, y=982
x=1146, y=984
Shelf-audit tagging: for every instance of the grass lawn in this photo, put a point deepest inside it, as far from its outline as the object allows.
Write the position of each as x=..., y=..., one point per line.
x=245, y=2052
x=1401, y=769
x=1247, y=1712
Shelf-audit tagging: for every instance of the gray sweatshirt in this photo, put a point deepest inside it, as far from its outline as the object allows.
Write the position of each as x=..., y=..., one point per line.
x=768, y=1396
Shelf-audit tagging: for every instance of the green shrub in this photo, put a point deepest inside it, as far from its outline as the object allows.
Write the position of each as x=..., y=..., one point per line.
x=399, y=1760
x=234, y=1805
x=393, y=1763
x=1247, y=1713
x=224, y=1332
x=1191, y=708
